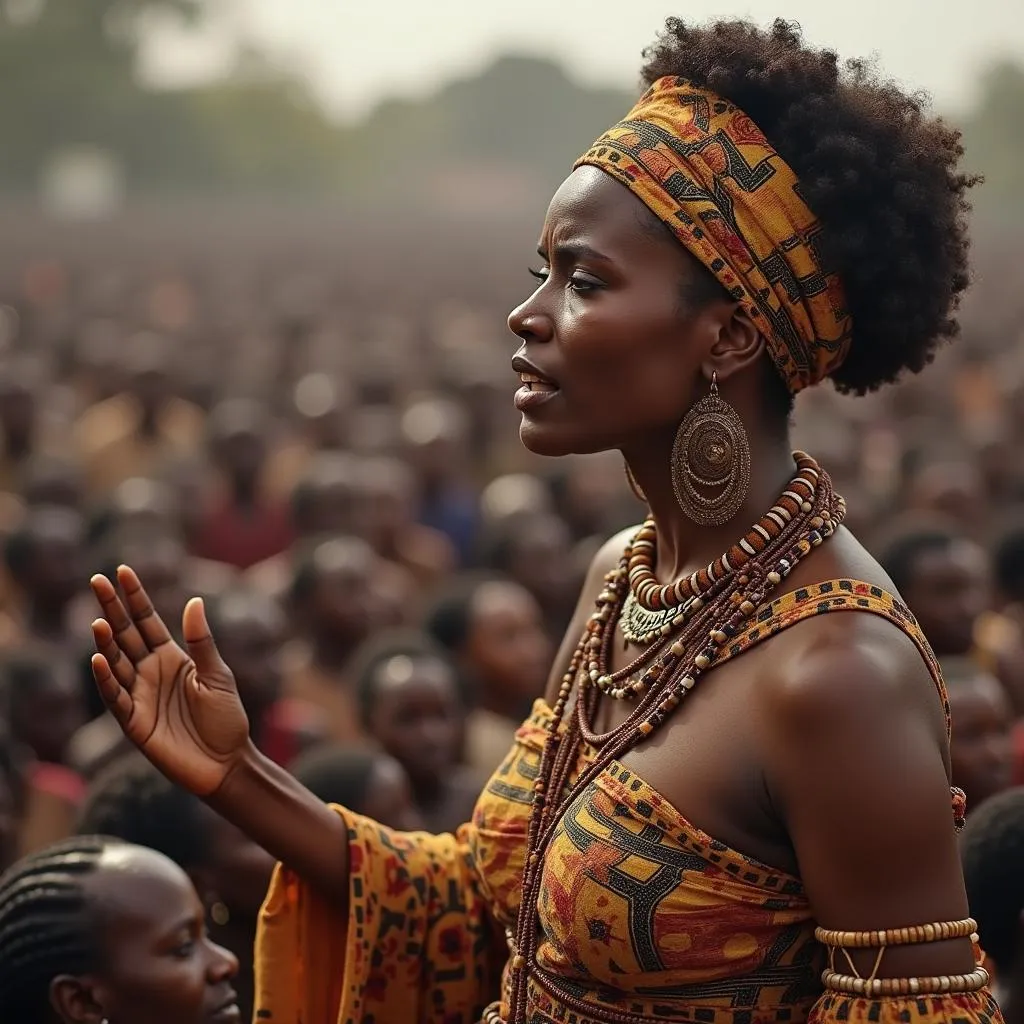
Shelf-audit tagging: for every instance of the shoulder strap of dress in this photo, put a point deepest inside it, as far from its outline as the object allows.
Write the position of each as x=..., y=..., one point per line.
x=836, y=596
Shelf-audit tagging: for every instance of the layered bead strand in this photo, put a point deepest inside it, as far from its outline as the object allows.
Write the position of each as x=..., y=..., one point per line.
x=668, y=670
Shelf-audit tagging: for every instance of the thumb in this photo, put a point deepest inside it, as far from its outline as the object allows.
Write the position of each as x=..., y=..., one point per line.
x=199, y=640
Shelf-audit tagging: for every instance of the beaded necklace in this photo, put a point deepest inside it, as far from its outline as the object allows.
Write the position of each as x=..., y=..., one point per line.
x=668, y=669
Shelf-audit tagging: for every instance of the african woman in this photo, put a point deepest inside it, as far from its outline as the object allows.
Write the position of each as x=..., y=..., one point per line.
x=733, y=804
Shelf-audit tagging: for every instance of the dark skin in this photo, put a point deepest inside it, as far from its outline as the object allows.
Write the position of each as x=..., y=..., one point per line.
x=47, y=716
x=158, y=965
x=416, y=717
x=948, y=592
x=982, y=748
x=507, y=653
x=823, y=750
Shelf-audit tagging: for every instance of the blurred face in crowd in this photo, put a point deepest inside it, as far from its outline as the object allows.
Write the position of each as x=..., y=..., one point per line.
x=343, y=603
x=54, y=567
x=47, y=709
x=981, y=751
x=17, y=411
x=609, y=360
x=250, y=634
x=386, y=501
x=238, y=440
x=328, y=497
x=508, y=651
x=416, y=715
x=388, y=797
x=949, y=590
x=540, y=560
x=158, y=964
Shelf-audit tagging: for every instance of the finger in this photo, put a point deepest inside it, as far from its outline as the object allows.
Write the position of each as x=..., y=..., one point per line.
x=141, y=609
x=125, y=634
x=117, y=699
x=201, y=646
x=121, y=668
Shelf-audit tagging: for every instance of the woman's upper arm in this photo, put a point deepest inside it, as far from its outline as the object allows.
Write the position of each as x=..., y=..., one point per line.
x=857, y=768
x=606, y=559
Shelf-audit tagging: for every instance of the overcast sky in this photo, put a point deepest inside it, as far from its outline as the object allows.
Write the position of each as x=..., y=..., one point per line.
x=359, y=51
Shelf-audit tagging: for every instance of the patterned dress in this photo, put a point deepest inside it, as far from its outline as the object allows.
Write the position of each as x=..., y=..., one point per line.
x=642, y=914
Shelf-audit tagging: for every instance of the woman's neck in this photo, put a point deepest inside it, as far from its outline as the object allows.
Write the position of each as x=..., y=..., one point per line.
x=683, y=546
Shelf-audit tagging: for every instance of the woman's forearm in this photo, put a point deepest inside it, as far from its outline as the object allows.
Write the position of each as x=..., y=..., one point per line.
x=291, y=824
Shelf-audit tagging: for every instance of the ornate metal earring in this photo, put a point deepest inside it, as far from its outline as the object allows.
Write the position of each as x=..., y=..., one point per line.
x=711, y=451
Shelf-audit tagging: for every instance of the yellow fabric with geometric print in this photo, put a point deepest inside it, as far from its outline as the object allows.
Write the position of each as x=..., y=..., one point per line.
x=709, y=174
x=643, y=917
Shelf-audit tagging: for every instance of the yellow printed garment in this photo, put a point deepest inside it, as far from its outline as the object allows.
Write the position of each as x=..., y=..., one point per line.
x=643, y=916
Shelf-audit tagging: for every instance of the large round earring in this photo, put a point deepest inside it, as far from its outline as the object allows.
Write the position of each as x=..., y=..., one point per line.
x=711, y=451
x=219, y=914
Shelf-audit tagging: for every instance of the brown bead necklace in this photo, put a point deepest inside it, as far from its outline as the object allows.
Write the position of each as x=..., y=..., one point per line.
x=658, y=679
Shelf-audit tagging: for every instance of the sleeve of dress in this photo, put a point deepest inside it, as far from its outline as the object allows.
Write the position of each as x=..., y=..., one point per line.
x=417, y=943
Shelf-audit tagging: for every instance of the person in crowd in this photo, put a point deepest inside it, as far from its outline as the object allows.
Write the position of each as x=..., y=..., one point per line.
x=435, y=433
x=536, y=552
x=42, y=700
x=143, y=427
x=386, y=511
x=133, y=802
x=992, y=852
x=323, y=504
x=45, y=560
x=366, y=779
x=982, y=754
x=412, y=705
x=494, y=630
x=242, y=526
x=94, y=929
x=322, y=406
x=658, y=845
x=24, y=431
x=12, y=796
x=332, y=601
x=943, y=577
x=53, y=480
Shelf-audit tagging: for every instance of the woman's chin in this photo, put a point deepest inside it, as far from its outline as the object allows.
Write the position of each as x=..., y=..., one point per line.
x=554, y=442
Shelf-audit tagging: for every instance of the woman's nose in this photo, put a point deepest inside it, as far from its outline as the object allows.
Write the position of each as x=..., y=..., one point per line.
x=223, y=964
x=528, y=323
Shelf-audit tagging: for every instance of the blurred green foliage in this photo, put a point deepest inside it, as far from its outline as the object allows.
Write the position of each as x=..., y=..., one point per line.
x=68, y=75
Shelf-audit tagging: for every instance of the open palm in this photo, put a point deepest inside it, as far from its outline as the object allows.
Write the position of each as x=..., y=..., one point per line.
x=181, y=709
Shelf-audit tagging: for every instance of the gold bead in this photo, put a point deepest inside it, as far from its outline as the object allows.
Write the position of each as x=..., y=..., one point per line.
x=747, y=608
x=774, y=578
x=646, y=728
x=678, y=649
x=702, y=661
x=688, y=682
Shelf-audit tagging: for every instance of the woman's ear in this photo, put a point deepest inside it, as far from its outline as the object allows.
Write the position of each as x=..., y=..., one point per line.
x=738, y=346
x=77, y=1000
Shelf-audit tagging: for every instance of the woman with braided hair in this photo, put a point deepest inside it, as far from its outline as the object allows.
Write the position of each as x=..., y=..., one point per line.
x=733, y=804
x=96, y=931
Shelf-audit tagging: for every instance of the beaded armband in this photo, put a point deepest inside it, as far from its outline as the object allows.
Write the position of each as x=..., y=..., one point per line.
x=872, y=986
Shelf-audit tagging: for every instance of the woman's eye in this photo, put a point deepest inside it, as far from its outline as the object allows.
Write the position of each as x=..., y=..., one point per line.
x=185, y=950
x=540, y=275
x=582, y=283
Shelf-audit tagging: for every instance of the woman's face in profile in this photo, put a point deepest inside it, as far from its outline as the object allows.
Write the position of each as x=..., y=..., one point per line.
x=158, y=965
x=612, y=352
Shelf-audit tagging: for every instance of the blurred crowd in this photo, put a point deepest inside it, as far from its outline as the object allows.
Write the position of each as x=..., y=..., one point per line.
x=386, y=571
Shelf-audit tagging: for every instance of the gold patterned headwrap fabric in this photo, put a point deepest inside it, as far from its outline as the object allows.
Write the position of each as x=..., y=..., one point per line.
x=707, y=171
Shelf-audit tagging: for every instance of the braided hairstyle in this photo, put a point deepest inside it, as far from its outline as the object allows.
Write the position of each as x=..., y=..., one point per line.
x=46, y=925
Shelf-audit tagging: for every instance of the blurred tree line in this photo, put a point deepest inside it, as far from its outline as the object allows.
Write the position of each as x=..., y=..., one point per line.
x=69, y=78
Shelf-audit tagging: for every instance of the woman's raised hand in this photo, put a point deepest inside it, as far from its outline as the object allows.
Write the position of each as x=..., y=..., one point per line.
x=182, y=710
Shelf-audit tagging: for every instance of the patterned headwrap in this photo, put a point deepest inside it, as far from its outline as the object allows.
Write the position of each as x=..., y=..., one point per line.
x=706, y=170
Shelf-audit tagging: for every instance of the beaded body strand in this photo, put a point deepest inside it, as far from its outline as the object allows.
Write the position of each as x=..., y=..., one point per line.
x=720, y=600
